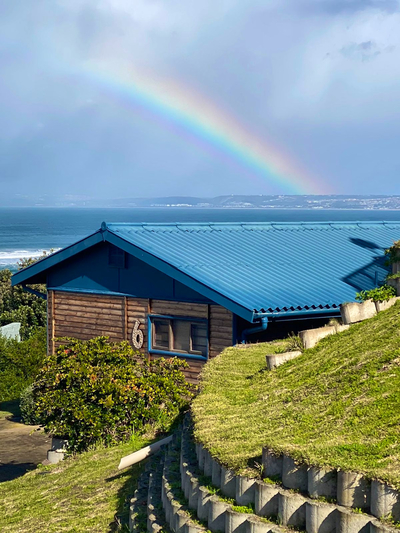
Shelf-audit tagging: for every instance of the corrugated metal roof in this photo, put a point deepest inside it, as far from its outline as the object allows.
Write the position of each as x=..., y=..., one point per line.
x=272, y=268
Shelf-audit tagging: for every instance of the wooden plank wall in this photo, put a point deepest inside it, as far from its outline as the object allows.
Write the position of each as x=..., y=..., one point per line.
x=84, y=316
x=50, y=322
x=137, y=309
x=220, y=334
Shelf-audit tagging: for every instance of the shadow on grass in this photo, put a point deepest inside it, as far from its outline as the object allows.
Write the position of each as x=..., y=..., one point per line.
x=11, y=471
x=10, y=409
x=130, y=476
x=259, y=373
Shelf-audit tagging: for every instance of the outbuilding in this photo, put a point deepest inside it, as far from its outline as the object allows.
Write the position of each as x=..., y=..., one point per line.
x=190, y=290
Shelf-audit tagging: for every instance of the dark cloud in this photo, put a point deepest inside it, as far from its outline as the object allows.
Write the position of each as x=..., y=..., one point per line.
x=334, y=7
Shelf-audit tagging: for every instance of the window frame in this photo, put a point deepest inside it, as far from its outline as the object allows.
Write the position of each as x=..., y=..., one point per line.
x=172, y=352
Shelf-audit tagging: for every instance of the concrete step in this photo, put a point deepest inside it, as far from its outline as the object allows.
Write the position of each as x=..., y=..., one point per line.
x=155, y=512
x=146, y=512
x=178, y=515
x=138, y=505
x=224, y=515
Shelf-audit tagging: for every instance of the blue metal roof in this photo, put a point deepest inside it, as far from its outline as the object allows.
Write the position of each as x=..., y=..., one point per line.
x=257, y=268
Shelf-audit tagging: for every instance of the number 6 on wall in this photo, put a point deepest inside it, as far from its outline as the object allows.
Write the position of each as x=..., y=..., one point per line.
x=137, y=335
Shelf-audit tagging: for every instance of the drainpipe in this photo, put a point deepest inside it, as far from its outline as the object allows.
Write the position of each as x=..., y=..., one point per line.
x=256, y=329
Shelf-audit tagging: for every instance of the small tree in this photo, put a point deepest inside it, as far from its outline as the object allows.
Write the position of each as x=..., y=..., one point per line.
x=96, y=391
x=17, y=305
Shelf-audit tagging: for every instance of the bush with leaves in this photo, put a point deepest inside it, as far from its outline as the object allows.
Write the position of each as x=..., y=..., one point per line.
x=393, y=253
x=380, y=294
x=20, y=363
x=96, y=391
x=27, y=406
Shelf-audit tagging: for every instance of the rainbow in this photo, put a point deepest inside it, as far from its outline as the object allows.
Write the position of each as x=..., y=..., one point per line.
x=200, y=120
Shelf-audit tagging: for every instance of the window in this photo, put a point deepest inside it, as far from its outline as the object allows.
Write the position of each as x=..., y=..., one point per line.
x=180, y=336
x=116, y=257
x=161, y=334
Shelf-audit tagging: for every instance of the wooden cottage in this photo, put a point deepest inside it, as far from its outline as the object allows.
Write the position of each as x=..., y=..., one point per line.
x=190, y=290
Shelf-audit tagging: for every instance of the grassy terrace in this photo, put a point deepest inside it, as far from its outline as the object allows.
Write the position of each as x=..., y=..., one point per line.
x=338, y=404
x=82, y=494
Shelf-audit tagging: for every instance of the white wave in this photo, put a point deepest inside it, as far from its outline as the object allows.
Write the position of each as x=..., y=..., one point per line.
x=11, y=257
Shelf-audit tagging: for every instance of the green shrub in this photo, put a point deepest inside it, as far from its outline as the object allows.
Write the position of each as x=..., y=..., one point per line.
x=20, y=363
x=393, y=253
x=97, y=391
x=27, y=406
x=380, y=294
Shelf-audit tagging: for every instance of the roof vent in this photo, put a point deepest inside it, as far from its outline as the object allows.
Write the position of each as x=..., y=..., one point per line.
x=116, y=257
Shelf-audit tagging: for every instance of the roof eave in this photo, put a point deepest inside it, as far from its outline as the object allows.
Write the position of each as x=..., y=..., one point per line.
x=24, y=276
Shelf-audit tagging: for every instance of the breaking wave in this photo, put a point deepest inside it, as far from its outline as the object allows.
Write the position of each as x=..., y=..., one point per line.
x=10, y=258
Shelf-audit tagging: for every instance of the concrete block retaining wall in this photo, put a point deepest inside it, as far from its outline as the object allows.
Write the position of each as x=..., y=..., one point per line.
x=310, y=337
x=351, y=313
x=158, y=500
x=357, y=312
x=349, y=489
x=293, y=509
x=277, y=359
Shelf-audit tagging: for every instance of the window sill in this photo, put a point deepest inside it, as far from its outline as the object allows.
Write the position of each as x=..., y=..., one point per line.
x=179, y=354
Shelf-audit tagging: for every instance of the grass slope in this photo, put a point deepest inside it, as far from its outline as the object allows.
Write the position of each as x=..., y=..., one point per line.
x=81, y=494
x=338, y=404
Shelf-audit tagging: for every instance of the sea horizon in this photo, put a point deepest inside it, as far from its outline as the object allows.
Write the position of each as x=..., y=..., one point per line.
x=28, y=231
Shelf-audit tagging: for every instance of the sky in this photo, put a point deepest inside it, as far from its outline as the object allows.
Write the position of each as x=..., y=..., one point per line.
x=141, y=98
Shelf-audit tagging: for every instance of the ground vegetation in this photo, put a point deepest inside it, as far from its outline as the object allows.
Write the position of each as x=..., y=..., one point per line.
x=98, y=391
x=336, y=405
x=20, y=362
x=84, y=493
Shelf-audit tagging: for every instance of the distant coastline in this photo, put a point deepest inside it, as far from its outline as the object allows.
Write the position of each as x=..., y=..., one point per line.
x=28, y=231
x=267, y=202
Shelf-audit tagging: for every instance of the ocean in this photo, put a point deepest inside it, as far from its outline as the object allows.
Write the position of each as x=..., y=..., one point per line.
x=27, y=232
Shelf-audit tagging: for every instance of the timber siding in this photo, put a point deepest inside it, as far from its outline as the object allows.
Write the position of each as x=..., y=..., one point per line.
x=84, y=316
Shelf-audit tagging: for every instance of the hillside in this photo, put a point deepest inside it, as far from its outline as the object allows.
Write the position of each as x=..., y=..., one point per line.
x=338, y=404
x=83, y=493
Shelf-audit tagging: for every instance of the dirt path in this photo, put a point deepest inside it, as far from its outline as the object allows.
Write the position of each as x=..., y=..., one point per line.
x=21, y=448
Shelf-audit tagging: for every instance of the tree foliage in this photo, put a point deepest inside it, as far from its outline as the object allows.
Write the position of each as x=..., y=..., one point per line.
x=393, y=253
x=20, y=362
x=97, y=391
x=17, y=305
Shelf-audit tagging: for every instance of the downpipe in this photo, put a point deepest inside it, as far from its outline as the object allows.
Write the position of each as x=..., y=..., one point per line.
x=256, y=329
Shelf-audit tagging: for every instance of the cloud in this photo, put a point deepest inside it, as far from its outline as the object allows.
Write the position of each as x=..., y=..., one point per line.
x=365, y=51
x=334, y=7
x=298, y=73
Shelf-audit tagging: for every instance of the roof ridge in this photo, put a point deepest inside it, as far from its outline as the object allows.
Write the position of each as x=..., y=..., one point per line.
x=249, y=223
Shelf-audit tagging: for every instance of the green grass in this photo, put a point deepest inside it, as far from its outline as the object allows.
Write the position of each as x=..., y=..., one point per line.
x=336, y=405
x=85, y=493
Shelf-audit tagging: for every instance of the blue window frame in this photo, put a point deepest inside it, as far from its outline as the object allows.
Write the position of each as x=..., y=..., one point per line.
x=178, y=336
